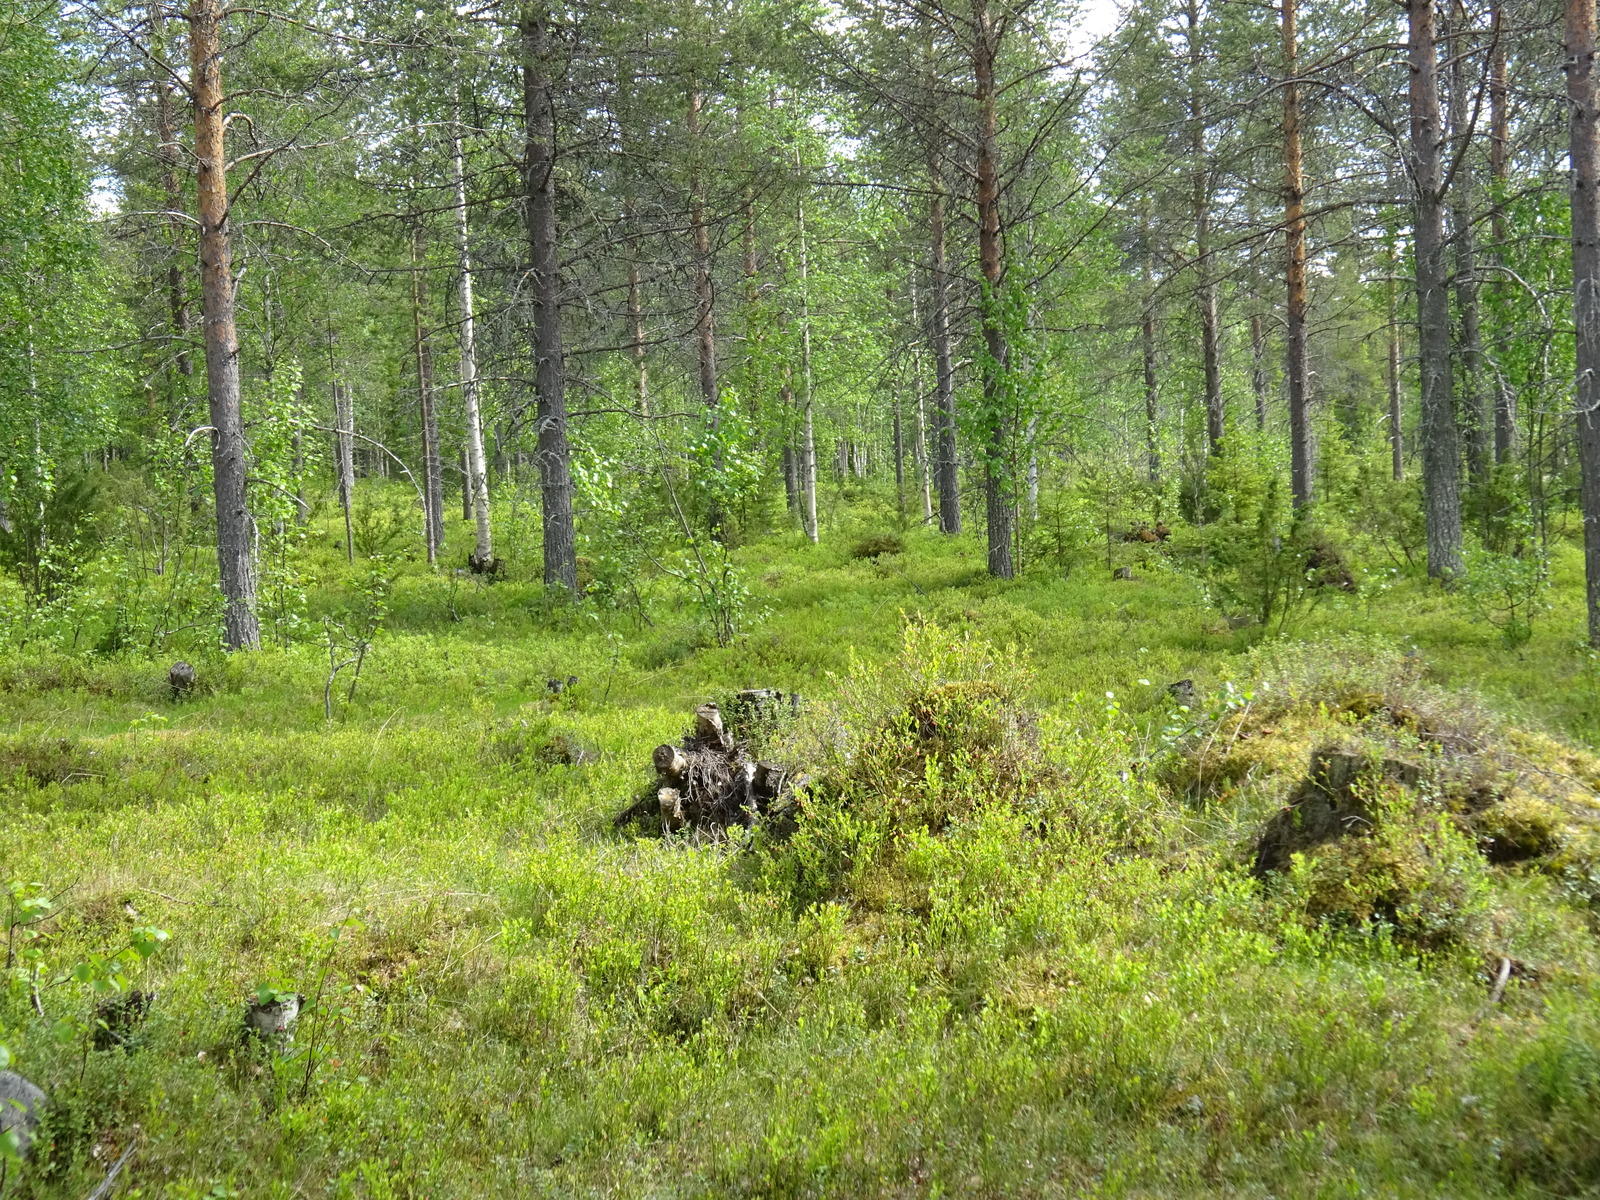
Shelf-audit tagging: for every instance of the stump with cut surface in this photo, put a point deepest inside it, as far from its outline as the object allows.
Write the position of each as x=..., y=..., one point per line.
x=711, y=780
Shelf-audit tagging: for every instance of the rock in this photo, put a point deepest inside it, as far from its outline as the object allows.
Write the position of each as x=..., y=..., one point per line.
x=1327, y=805
x=20, y=1103
x=272, y=1020
x=181, y=679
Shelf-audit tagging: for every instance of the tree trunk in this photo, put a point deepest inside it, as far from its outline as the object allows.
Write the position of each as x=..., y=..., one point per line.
x=1294, y=225
x=1147, y=347
x=1258, y=368
x=641, y=371
x=229, y=454
x=1505, y=416
x=1473, y=415
x=919, y=441
x=168, y=155
x=705, y=322
x=555, y=458
x=999, y=483
x=1583, y=90
x=808, y=433
x=344, y=460
x=482, y=557
x=1441, y=453
x=432, y=469
x=899, y=460
x=1396, y=433
x=1205, y=288
x=944, y=395
x=630, y=217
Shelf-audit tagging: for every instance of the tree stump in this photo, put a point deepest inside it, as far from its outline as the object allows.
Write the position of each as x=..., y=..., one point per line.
x=711, y=780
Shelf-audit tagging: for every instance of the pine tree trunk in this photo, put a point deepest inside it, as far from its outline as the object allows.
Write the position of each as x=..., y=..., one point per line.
x=1505, y=417
x=482, y=557
x=919, y=443
x=1205, y=288
x=229, y=454
x=1476, y=423
x=999, y=486
x=1147, y=347
x=1397, y=464
x=555, y=458
x=1583, y=90
x=944, y=395
x=1441, y=454
x=1294, y=225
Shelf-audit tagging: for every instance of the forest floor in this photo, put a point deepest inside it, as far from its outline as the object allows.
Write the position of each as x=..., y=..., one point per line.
x=507, y=995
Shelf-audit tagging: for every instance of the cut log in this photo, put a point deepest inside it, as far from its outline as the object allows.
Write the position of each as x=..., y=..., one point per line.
x=708, y=727
x=670, y=762
x=671, y=803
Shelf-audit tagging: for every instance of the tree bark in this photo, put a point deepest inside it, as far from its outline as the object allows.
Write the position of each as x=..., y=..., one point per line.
x=555, y=457
x=1583, y=91
x=808, y=433
x=1441, y=454
x=432, y=468
x=482, y=557
x=919, y=443
x=641, y=370
x=168, y=156
x=1294, y=225
x=229, y=453
x=1147, y=347
x=1473, y=415
x=1505, y=416
x=344, y=458
x=999, y=483
x=944, y=393
x=1205, y=287
x=704, y=298
x=1258, y=368
x=1396, y=433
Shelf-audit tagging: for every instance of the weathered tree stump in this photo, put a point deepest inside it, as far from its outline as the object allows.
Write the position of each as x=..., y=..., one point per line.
x=711, y=780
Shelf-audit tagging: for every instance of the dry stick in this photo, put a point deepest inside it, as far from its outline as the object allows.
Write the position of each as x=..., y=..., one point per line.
x=1500, y=980
x=104, y=1190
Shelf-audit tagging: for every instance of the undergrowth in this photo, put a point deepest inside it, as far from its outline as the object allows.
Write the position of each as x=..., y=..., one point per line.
x=1016, y=944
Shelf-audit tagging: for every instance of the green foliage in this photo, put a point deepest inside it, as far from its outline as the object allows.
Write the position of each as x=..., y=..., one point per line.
x=50, y=534
x=1004, y=931
x=1507, y=591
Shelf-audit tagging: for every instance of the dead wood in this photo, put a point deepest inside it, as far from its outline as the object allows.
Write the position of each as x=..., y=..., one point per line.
x=712, y=780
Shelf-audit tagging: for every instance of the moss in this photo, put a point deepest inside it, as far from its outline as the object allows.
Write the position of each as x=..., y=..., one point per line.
x=1414, y=872
x=1516, y=829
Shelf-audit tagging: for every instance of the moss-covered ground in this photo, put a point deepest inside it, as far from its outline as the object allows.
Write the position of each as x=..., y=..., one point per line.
x=1069, y=987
